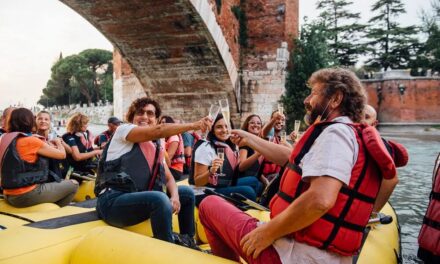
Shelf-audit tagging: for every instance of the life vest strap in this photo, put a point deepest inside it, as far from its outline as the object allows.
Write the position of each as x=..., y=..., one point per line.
x=357, y=195
x=432, y=223
x=294, y=167
x=435, y=195
x=285, y=196
x=342, y=223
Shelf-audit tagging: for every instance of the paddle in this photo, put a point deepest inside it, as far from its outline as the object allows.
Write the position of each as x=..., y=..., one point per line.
x=240, y=205
x=251, y=203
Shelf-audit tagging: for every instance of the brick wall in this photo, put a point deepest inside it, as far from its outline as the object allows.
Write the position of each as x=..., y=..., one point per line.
x=405, y=100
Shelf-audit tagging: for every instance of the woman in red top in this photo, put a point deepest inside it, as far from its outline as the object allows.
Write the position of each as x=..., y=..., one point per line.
x=174, y=148
x=30, y=150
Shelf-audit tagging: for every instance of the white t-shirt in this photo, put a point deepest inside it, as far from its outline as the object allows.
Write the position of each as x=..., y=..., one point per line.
x=119, y=145
x=205, y=154
x=334, y=153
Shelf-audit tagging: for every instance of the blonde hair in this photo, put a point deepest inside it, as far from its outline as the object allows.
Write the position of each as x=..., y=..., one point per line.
x=76, y=122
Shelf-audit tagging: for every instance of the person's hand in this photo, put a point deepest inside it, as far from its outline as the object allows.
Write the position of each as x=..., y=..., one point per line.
x=293, y=136
x=175, y=203
x=254, y=242
x=203, y=124
x=278, y=117
x=240, y=137
x=98, y=152
x=56, y=141
x=216, y=164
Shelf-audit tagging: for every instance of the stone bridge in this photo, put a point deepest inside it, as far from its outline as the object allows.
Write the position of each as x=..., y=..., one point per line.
x=188, y=54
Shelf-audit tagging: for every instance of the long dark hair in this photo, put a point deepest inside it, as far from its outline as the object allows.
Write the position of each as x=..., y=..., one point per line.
x=212, y=138
x=21, y=120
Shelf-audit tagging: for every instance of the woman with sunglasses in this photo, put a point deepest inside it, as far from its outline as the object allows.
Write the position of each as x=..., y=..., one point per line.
x=135, y=184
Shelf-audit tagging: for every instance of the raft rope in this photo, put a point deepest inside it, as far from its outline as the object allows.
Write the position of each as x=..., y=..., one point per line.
x=17, y=216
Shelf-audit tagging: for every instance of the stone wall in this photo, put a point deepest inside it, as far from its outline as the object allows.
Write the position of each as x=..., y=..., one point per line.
x=405, y=99
x=98, y=113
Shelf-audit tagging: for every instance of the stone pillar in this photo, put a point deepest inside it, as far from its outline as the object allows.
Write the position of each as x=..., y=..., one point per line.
x=271, y=27
x=126, y=86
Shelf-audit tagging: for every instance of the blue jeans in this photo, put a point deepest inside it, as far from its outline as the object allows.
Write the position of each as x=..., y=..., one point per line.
x=247, y=191
x=122, y=209
x=251, y=181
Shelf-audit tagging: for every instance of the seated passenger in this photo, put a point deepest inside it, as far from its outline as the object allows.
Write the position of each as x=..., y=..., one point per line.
x=207, y=164
x=43, y=129
x=271, y=170
x=25, y=177
x=104, y=137
x=83, y=156
x=397, y=151
x=174, y=148
x=250, y=161
x=134, y=184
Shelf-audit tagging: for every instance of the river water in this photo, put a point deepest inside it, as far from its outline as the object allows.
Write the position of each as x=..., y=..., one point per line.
x=410, y=198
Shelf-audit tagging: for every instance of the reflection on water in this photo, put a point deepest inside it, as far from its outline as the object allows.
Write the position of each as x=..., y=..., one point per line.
x=410, y=198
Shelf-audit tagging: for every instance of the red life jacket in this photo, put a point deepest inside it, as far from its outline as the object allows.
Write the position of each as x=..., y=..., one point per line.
x=340, y=229
x=268, y=166
x=429, y=237
x=178, y=155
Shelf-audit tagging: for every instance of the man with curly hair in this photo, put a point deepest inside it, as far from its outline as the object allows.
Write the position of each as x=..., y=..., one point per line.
x=320, y=211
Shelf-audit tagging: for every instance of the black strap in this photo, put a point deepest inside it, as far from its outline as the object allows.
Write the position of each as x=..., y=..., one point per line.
x=341, y=223
x=155, y=169
x=67, y=220
x=17, y=216
x=357, y=195
x=435, y=195
x=55, y=176
x=294, y=167
x=432, y=223
x=285, y=196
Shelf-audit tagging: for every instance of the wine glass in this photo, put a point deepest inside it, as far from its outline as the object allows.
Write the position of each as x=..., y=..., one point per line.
x=283, y=136
x=213, y=112
x=221, y=155
x=296, y=127
x=224, y=106
x=280, y=109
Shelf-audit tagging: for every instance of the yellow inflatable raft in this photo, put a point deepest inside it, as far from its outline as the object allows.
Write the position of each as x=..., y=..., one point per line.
x=74, y=234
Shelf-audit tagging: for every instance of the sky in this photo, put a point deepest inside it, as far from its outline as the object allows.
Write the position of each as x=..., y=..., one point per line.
x=33, y=33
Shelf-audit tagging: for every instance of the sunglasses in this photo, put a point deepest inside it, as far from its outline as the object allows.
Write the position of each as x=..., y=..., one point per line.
x=149, y=113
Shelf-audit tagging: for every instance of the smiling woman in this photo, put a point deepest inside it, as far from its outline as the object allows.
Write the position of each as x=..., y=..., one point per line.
x=135, y=184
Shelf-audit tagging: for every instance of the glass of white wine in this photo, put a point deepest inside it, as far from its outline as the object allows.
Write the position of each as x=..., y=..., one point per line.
x=281, y=109
x=296, y=128
x=221, y=155
x=224, y=107
x=283, y=136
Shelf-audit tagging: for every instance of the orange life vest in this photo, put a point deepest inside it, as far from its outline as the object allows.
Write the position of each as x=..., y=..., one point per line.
x=429, y=237
x=340, y=229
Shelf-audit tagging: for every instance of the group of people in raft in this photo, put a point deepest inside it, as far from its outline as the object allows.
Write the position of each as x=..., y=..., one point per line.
x=331, y=178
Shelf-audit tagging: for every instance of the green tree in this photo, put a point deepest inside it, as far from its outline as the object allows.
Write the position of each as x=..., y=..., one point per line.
x=428, y=55
x=390, y=45
x=344, y=30
x=83, y=78
x=310, y=53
